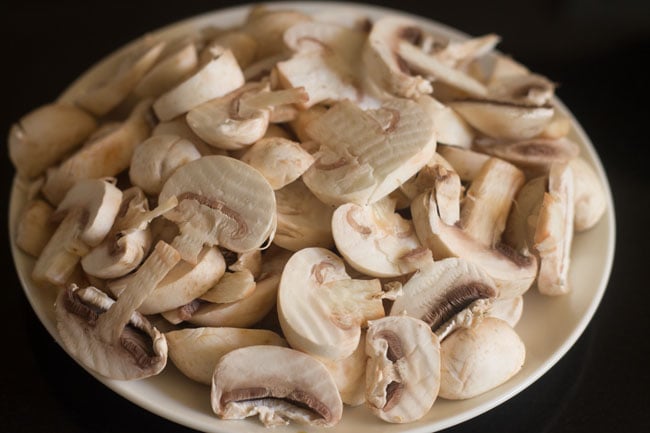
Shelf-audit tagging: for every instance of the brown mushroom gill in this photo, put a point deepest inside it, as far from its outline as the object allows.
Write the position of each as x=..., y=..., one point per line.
x=394, y=352
x=455, y=301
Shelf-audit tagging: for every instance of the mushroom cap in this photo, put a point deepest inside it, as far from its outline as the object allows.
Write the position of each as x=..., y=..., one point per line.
x=286, y=385
x=589, y=196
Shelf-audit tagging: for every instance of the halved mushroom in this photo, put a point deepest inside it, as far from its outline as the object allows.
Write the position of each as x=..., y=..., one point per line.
x=281, y=161
x=321, y=309
x=35, y=227
x=222, y=201
x=303, y=220
x=365, y=155
x=100, y=333
x=156, y=158
x=350, y=374
x=477, y=359
x=87, y=212
x=107, y=155
x=218, y=77
x=170, y=70
x=196, y=351
x=45, y=135
x=590, y=201
x=403, y=371
x=377, y=241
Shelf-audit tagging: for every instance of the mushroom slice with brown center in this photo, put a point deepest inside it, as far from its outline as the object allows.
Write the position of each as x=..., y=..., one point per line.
x=222, y=201
x=377, y=241
x=288, y=385
x=403, y=370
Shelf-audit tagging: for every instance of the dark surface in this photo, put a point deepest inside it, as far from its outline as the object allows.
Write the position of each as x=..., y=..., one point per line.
x=596, y=50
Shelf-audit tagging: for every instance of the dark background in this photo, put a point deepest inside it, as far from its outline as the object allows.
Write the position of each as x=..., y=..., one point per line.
x=597, y=51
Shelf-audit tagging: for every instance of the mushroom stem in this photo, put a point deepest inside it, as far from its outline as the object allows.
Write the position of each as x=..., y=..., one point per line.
x=143, y=219
x=265, y=100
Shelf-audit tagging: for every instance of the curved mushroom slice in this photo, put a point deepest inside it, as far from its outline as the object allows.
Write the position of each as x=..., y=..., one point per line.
x=350, y=374
x=280, y=161
x=105, y=96
x=589, y=197
x=303, y=220
x=179, y=127
x=530, y=89
x=231, y=287
x=554, y=232
x=505, y=120
x=522, y=221
x=35, y=228
x=512, y=272
x=478, y=359
x=403, y=371
x=309, y=36
x=170, y=70
x=377, y=241
x=87, y=211
x=267, y=29
x=156, y=158
x=505, y=67
x=248, y=261
x=196, y=351
x=365, y=155
x=321, y=309
x=222, y=201
x=242, y=45
x=103, y=342
x=218, y=77
x=289, y=385
x=458, y=54
x=508, y=310
x=441, y=290
x=45, y=135
x=467, y=163
x=107, y=155
x=558, y=127
x=450, y=128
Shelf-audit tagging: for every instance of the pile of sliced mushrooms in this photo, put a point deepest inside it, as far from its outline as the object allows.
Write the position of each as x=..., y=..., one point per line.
x=360, y=204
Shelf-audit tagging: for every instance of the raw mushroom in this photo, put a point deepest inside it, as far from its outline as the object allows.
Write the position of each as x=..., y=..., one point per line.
x=231, y=287
x=288, y=385
x=522, y=221
x=531, y=89
x=350, y=374
x=450, y=127
x=196, y=351
x=377, y=241
x=179, y=127
x=105, y=341
x=589, y=196
x=365, y=155
x=35, y=228
x=170, y=70
x=403, y=370
x=87, y=212
x=508, y=310
x=467, y=163
x=45, y=135
x=477, y=359
x=222, y=201
x=242, y=45
x=267, y=28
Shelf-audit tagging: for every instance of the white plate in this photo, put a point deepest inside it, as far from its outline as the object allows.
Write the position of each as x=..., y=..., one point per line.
x=549, y=327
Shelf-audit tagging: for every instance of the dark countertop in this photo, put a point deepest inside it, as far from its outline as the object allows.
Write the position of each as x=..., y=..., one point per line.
x=596, y=51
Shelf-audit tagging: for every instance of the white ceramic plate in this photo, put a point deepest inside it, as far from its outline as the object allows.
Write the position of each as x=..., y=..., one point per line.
x=549, y=327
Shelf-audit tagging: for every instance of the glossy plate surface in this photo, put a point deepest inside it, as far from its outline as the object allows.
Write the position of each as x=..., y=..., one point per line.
x=549, y=326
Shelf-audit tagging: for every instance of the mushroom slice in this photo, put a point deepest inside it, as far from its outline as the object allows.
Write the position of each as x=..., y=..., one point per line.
x=365, y=155
x=508, y=310
x=180, y=128
x=450, y=128
x=477, y=359
x=218, y=77
x=280, y=161
x=377, y=241
x=504, y=120
x=467, y=163
x=231, y=287
x=156, y=158
x=403, y=371
x=321, y=309
x=267, y=28
x=87, y=213
x=303, y=220
x=288, y=386
x=522, y=221
x=106, y=155
x=460, y=53
x=309, y=36
x=169, y=71
x=589, y=196
x=304, y=117
x=35, y=227
x=512, y=272
x=242, y=45
x=554, y=232
x=222, y=201
x=196, y=351
x=105, y=96
x=45, y=135
x=530, y=89
x=248, y=261
x=103, y=342
x=350, y=374
x=443, y=289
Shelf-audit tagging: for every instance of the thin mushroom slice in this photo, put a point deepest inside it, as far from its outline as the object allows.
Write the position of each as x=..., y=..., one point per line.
x=522, y=221
x=403, y=370
x=222, y=201
x=35, y=228
x=288, y=386
x=267, y=28
x=170, y=70
x=377, y=241
x=179, y=127
x=231, y=287
x=467, y=163
x=350, y=374
x=450, y=127
x=242, y=45
x=589, y=196
x=196, y=351
x=365, y=155
x=508, y=310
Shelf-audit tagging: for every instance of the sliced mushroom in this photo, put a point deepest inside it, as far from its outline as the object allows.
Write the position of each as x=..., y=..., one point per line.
x=478, y=359
x=590, y=201
x=280, y=161
x=101, y=338
x=505, y=67
x=45, y=135
x=350, y=374
x=522, y=221
x=403, y=371
x=169, y=71
x=508, y=310
x=222, y=201
x=231, y=287
x=179, y=127
x=107, y=155
x=289, y=385
x=450, y=128
x=304, y=117
x=34, y=228
x=531, y=89
x=365, y=155
x=87, y=212
x=377, y=241
x=467, y=163
x=248, y=261
x=156, y=158
x=267, y=28
x=242, y=45
x=303, y=220
x=196, y=351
